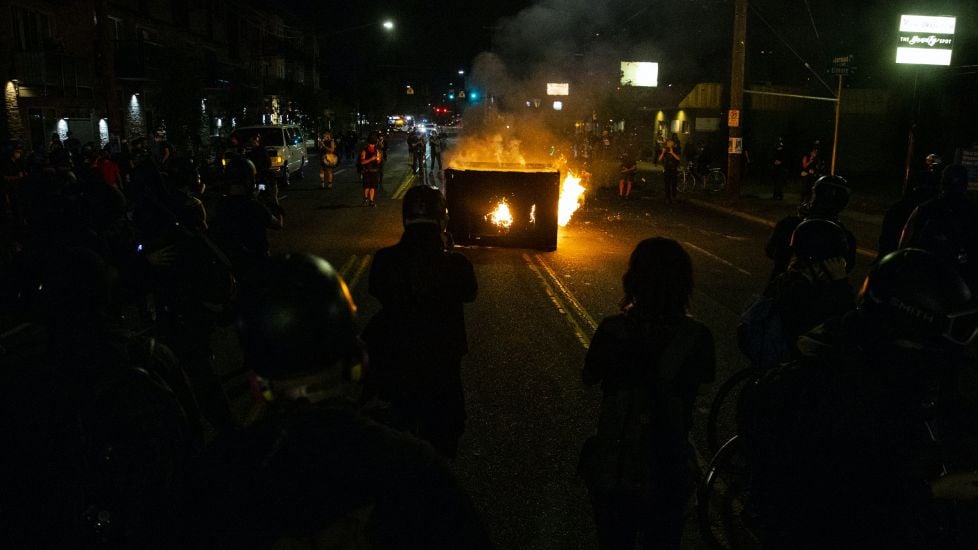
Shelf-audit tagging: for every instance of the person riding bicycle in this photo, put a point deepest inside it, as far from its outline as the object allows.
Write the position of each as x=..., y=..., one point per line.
x=843, y=445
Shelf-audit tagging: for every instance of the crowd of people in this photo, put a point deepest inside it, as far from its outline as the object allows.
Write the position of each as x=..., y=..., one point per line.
x=116, y=269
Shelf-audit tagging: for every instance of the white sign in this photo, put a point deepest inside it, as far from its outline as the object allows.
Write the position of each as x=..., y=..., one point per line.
x=639, y=73
x=925, y=40
x=558, y=105
x=558, y=88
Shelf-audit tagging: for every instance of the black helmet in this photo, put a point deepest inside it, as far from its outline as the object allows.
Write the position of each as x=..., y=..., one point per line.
x=818, y=240
x=296, y=317
x=921, y=297
x=830, y=195
x=240, y=171
x=423, y=204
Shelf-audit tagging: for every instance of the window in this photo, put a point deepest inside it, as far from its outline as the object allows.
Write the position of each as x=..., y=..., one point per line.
x=31, y=29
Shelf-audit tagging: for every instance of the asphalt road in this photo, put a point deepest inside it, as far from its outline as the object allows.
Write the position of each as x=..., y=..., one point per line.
x=529, y=330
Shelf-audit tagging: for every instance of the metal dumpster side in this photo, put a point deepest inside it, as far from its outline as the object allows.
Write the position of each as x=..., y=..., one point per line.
x=531, y=195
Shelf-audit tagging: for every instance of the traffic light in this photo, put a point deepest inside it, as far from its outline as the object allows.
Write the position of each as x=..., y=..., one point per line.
x=473, y=95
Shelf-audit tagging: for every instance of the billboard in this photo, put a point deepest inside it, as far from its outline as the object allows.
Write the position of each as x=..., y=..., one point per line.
x=925, y=40
x=639, y=73
x=558, y=88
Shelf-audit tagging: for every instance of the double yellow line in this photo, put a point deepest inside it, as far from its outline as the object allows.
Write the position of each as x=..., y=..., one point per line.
x=403, y=187
x=581, y=323
x=567, y=305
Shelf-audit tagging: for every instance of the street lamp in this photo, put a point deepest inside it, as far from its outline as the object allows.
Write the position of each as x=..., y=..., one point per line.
x=388, y=25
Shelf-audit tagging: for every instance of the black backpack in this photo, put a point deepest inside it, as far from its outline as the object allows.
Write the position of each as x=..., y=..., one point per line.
x=618, y=457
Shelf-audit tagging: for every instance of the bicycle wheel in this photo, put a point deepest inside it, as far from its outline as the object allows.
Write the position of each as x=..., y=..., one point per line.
x=725, y=519
x=683, y=185
x=715, y=180
x=721, y=423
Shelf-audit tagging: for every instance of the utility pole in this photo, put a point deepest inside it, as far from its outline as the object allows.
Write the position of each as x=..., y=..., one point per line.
x=735, y=146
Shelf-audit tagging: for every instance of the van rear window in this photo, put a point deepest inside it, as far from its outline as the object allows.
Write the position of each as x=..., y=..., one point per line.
x=270, y=137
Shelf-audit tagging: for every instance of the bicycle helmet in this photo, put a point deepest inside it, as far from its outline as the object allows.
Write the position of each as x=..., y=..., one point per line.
x=829, y=196
x=920, y=297
x=296, y=317
x=424, y=205
x=818, y=240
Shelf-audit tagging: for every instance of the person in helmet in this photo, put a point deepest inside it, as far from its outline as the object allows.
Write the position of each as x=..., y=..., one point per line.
x=815, y=285
x=311, y=470
x=830, y=195
x=947, y=225
x=846, y=443
x=418, y=338
x=918, y=191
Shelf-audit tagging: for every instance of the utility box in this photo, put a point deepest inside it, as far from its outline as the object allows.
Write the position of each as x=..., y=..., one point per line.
x=492, y=204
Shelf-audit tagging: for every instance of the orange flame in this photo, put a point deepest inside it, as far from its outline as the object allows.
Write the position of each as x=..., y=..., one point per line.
x=501, y=216
x=571, y=195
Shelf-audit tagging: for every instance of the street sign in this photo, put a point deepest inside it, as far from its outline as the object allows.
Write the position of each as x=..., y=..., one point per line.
x=733, y=118
x=843, y=65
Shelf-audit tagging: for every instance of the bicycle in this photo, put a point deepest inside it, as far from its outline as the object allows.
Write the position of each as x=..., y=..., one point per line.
x=687, y=179
x=721, y=422
x=725, y=518
x=715, y=180
x=691, y=179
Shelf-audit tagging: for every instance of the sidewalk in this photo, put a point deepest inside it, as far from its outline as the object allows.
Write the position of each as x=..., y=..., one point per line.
x=863, y=216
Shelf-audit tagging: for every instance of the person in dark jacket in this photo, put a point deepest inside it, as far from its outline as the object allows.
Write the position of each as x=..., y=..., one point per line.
x=655, y=346
x=948, y=225
x=815, y=287
x=241, y=221
x=418, y=338
x=920, y=190
x=849, y=445
x=312, y=472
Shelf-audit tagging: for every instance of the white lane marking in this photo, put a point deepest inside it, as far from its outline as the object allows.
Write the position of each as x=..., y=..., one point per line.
x=709, y=254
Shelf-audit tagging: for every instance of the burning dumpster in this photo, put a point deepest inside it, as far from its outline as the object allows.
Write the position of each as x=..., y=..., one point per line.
x=493, y=204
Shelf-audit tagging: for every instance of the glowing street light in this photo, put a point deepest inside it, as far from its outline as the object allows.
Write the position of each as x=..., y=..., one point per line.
x=388, y=25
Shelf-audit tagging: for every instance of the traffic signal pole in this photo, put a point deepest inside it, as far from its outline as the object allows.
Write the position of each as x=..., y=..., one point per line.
x=735, y=147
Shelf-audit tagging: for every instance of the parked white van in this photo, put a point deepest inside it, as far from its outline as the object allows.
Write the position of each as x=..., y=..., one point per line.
x=284, y=142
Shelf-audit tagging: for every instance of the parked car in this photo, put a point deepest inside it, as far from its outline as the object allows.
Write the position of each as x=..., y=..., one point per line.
x=285, y=145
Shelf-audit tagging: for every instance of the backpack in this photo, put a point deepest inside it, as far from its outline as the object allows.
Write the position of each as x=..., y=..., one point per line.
x=620, y=456
x=760, y=334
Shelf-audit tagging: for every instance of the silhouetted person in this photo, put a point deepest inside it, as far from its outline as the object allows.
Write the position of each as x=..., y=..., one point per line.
x=948, y=225
x=651, y=361
x=418, y=338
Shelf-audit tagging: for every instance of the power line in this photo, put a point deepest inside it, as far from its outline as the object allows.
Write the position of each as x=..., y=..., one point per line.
x=792, y=50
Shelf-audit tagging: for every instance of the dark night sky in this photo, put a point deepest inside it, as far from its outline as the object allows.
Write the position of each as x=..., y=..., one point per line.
x=691, y=39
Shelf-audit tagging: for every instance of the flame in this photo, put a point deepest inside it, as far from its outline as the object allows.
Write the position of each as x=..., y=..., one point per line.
x=501, y=216
x=571, y=194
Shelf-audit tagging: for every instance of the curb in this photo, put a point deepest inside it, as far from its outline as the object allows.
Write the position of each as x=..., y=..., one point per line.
x=865, y=252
